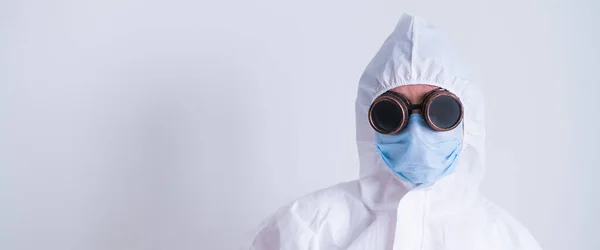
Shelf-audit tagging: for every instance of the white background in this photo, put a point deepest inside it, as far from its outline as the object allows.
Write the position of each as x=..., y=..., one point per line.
x=182, y=124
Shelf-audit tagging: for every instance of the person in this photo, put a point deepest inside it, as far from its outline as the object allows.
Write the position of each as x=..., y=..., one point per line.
x=420, y=134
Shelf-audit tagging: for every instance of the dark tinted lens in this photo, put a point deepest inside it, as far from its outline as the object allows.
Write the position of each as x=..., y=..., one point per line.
x=444, y=111
x=386, y=116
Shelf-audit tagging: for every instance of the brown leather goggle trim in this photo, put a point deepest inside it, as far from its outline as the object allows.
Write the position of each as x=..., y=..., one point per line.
x=394, y=97
x=430, y=97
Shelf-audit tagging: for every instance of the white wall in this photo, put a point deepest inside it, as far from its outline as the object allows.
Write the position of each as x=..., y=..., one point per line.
x=181, y=125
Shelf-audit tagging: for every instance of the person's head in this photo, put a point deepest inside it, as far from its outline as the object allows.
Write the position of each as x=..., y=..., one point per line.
x=417, y=131
x=414, y=61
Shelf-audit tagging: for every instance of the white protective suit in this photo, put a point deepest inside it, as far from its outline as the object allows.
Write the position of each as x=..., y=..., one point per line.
x=380, y=211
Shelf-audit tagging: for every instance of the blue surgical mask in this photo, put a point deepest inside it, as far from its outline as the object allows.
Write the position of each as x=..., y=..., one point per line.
x=419, y=154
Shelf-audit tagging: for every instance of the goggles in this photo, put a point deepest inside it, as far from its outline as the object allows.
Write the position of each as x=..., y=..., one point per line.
x=389, y=113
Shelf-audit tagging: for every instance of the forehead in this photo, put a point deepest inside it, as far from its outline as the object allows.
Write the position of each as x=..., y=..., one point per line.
x=415, y=92
x=414, y=89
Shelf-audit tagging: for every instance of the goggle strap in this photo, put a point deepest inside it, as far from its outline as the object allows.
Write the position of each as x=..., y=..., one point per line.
x=415, y=106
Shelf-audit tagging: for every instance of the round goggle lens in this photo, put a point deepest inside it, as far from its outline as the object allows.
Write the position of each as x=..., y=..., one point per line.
x=444, y=111
x=387, y=116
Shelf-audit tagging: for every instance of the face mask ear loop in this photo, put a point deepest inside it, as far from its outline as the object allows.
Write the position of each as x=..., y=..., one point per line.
x=464, y=145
